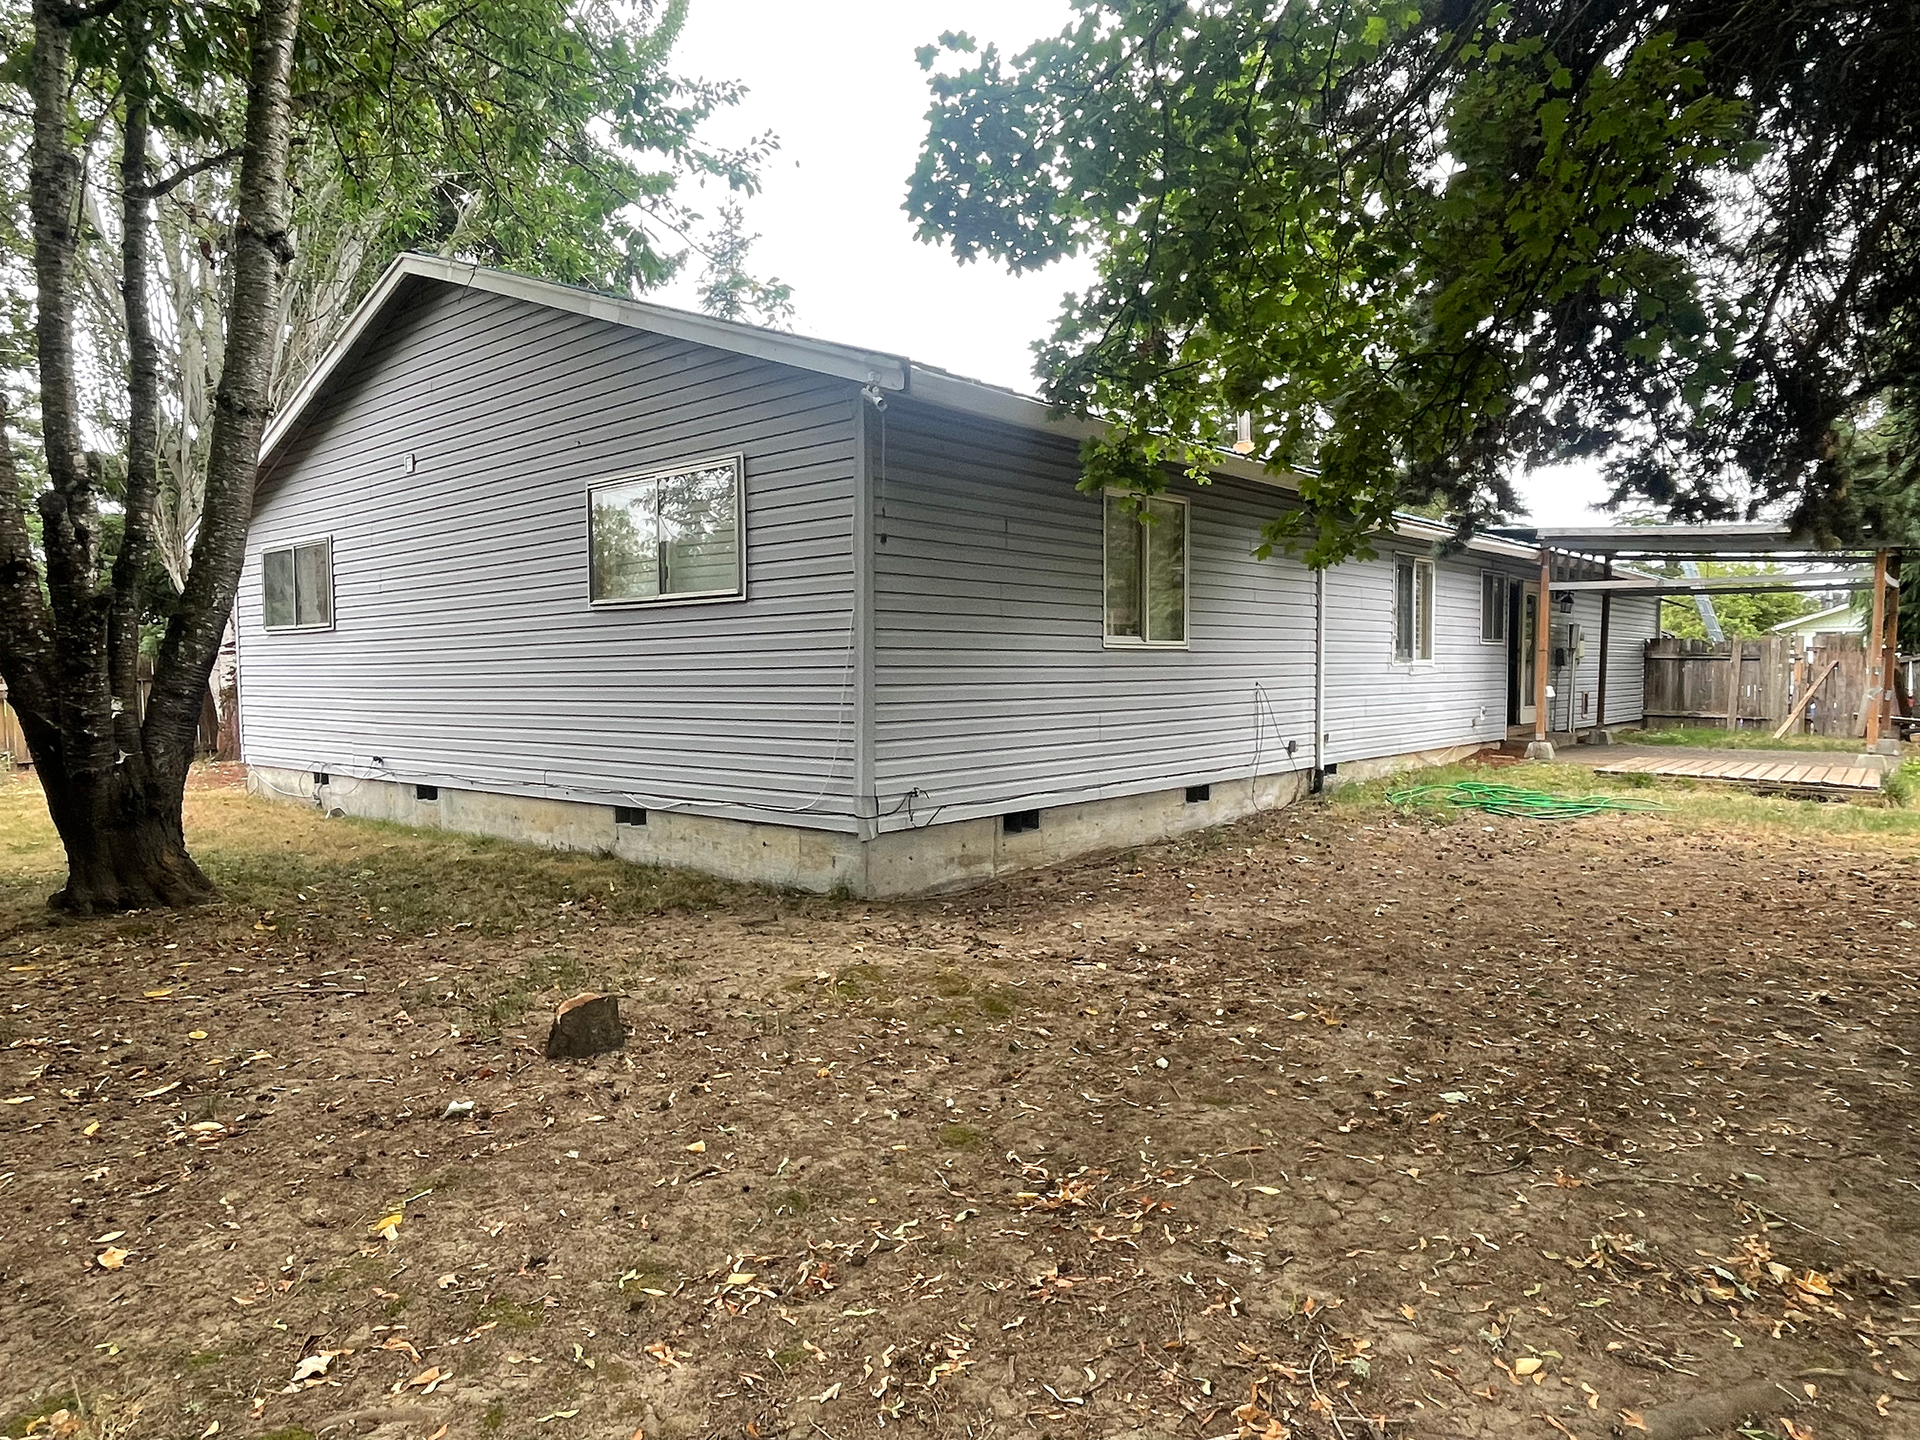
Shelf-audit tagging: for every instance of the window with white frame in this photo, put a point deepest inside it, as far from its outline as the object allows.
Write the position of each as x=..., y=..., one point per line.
x=1412, y=611
x=667, y=535
x=1494, y=591
x=296, y=586
x=1146, y=570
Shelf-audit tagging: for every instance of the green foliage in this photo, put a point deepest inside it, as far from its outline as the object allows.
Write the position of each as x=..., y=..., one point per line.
x=1741, y=616
x=727, y=289
x=1429, y=244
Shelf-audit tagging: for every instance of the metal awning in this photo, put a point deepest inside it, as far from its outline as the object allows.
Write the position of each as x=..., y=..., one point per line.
x=1773, y=583
x=1749, y=540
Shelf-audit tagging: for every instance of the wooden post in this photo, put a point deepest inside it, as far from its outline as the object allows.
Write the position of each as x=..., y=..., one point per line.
x=1542, y=632
x=1802, y=645
x=1738, y=649
x=1889, y=671
x=1606, y=626
x=1876, y=651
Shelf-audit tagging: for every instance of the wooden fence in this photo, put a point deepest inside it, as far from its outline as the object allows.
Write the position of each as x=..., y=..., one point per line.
x=211, y=739
x=1757, y=683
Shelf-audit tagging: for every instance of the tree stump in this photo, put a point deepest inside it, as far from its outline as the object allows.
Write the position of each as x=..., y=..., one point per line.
x=586, y=1025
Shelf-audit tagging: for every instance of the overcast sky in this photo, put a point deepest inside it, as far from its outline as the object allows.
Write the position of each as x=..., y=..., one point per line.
x=846, y=99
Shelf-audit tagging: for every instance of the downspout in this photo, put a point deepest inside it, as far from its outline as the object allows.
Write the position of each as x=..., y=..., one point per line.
x=1319, y=679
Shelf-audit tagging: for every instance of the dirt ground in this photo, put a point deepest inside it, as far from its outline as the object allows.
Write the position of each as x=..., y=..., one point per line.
x=1332, y=1124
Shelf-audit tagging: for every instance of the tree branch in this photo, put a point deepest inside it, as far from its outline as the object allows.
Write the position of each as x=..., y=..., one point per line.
x=160, y=188
x=128, y=600
x=261, y=249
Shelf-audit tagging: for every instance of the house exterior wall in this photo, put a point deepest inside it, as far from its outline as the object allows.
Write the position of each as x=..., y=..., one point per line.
x=464, y=651
x=994, y=689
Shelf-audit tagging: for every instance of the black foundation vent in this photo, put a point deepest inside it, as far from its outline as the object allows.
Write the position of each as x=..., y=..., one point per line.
x=1197, y=793
x=426, y=792
x=629, y=815
x=1019, y=822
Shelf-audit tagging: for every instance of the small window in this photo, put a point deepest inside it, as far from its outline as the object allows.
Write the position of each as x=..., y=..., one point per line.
x=1146, y=584
x=296, y=584
x=670, y=535
x=1413, y=611
x=1493, y=609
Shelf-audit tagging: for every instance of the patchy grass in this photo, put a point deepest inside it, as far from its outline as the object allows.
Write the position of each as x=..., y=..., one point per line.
x=1712, y=737
x=1143, y=1145
x=1691, y=805
x=338, y=877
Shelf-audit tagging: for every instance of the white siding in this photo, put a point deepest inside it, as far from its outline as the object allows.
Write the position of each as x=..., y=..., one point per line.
x=464, y=650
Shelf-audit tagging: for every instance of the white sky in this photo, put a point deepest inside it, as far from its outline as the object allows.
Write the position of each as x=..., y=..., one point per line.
x=847, y=101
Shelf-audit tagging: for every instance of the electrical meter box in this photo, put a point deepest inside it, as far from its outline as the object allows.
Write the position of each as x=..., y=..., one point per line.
x=1569, y=643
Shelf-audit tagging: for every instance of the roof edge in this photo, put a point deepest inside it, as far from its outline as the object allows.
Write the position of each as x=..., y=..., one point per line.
x=825, y=357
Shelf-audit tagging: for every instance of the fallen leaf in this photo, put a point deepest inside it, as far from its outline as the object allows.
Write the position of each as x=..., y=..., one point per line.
x=698, y=1147
x=1633, y=1420
x=1526, y=1365
x=112, y=1258
x=387, y=1225
x=832, y=1392
x=313, y=1366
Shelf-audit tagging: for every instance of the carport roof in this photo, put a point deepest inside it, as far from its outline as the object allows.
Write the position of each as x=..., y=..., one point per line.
x=1749, y=539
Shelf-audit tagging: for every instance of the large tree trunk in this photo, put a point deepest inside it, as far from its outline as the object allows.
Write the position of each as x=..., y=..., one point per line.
x=115, y=777
x=126, y=849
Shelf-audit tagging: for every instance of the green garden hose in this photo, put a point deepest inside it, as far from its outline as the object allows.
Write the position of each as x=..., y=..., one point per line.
x=1515, y=801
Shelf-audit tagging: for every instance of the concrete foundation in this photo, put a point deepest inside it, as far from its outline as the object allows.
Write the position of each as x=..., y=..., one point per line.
x=946, y=856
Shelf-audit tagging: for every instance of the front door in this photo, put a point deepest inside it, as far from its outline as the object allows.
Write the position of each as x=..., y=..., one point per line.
x=1525, y=663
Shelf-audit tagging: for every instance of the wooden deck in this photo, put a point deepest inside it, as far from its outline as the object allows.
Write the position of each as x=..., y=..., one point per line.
x=1817, y=776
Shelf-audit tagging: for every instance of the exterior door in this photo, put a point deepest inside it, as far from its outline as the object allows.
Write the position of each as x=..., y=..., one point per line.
x=1526, y=663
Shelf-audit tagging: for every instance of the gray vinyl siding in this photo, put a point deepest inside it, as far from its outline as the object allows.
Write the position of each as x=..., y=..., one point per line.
x=1377, y=706
x=1636, y=620
x=464, y=650
x=994, y=688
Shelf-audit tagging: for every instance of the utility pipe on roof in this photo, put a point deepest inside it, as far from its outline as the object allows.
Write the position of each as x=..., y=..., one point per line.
x=1703, y=602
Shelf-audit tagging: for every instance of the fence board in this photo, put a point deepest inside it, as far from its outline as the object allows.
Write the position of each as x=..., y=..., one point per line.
x=1703, y=681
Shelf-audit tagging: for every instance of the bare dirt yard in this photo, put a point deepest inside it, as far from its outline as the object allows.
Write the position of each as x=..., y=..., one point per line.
x=1338, y=1123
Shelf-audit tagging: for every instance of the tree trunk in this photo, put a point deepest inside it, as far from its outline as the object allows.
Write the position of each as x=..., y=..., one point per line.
x=114, y=779
x=126, y=849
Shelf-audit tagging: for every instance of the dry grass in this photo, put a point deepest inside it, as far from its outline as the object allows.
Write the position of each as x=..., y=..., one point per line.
x=267, y=858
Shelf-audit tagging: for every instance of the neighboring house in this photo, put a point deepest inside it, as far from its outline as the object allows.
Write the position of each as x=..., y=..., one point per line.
x=1841, y=619
x=532, y=561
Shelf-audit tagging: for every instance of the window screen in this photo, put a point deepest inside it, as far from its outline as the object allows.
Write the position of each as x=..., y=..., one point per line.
x=1146, y=577
x=669, y=535
x=296, y=583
